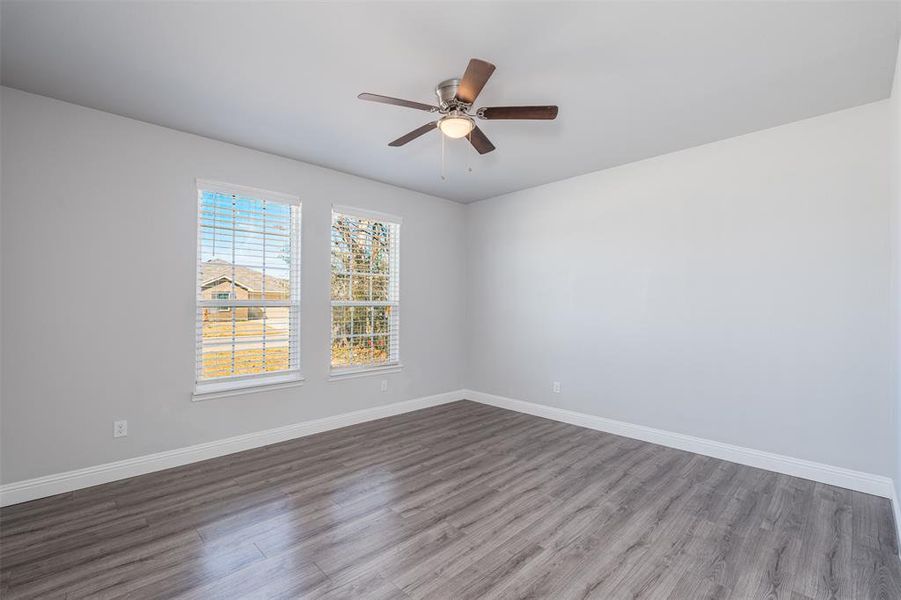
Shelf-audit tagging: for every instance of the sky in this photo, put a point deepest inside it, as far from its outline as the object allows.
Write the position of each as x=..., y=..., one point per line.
x=246, y=231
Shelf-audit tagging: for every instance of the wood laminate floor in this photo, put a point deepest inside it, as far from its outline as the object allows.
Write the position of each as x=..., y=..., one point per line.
x=453, y=502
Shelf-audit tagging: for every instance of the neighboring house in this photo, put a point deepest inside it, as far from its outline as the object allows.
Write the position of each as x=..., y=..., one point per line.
x=249, y=284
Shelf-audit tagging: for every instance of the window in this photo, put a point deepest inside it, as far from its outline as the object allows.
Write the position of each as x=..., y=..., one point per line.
x=365, y=293
x=223, y=296
x=248, y=288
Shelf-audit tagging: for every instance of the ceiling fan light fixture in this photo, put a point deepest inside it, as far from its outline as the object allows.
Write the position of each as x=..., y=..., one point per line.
x=456, y=126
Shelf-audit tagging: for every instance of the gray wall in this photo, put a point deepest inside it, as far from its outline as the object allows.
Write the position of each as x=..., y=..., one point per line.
x=738, y=291
x=98, y=275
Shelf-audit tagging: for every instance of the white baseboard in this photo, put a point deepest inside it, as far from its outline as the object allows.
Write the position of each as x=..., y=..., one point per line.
x=805, y=469
x=40, y=487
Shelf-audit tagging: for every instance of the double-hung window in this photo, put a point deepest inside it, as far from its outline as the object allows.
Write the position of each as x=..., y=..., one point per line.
x=365, y=252
x=248, y=288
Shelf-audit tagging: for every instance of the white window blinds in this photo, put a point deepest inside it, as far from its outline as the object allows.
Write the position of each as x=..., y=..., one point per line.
x=365, y=249
x=248, y=285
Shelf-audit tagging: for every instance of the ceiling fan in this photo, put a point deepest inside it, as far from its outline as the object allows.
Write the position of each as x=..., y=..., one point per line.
x=455, y=100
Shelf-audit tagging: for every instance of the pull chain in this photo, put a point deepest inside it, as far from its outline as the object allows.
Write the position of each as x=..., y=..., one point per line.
x=443, y=178
x=444, y=161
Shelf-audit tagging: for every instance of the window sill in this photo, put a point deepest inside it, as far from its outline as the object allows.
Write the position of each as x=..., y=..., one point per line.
x=338, y=375
x=223, y=389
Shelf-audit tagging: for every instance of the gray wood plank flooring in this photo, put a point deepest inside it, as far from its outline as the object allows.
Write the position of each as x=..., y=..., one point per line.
x=454, y=502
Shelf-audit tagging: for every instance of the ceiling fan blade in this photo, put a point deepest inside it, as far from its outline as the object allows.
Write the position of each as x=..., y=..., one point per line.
x=397, y=102
x=480, y=141
x=547, y=113
x=474, y=79
x=414, y=134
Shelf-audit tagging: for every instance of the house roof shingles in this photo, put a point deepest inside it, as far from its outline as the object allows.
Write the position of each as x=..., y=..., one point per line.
x=250, y=279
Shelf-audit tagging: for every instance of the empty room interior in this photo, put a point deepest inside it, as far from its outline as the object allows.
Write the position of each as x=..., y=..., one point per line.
x=283, y=314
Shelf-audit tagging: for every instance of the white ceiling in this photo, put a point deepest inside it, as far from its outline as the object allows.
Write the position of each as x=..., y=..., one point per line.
x=632, y=79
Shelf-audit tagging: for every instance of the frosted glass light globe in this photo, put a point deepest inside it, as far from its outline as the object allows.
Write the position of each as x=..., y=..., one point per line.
x=455, y=127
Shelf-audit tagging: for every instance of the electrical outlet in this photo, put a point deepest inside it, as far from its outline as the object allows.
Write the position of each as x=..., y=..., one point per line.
x=384, y=385
x=120, y=428
x=556, y=387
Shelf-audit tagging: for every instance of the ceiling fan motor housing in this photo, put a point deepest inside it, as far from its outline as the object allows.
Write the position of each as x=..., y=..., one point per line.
x=446, y=92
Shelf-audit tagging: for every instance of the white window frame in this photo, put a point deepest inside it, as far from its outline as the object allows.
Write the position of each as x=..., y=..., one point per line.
x=394, y=363
x=205, y=389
